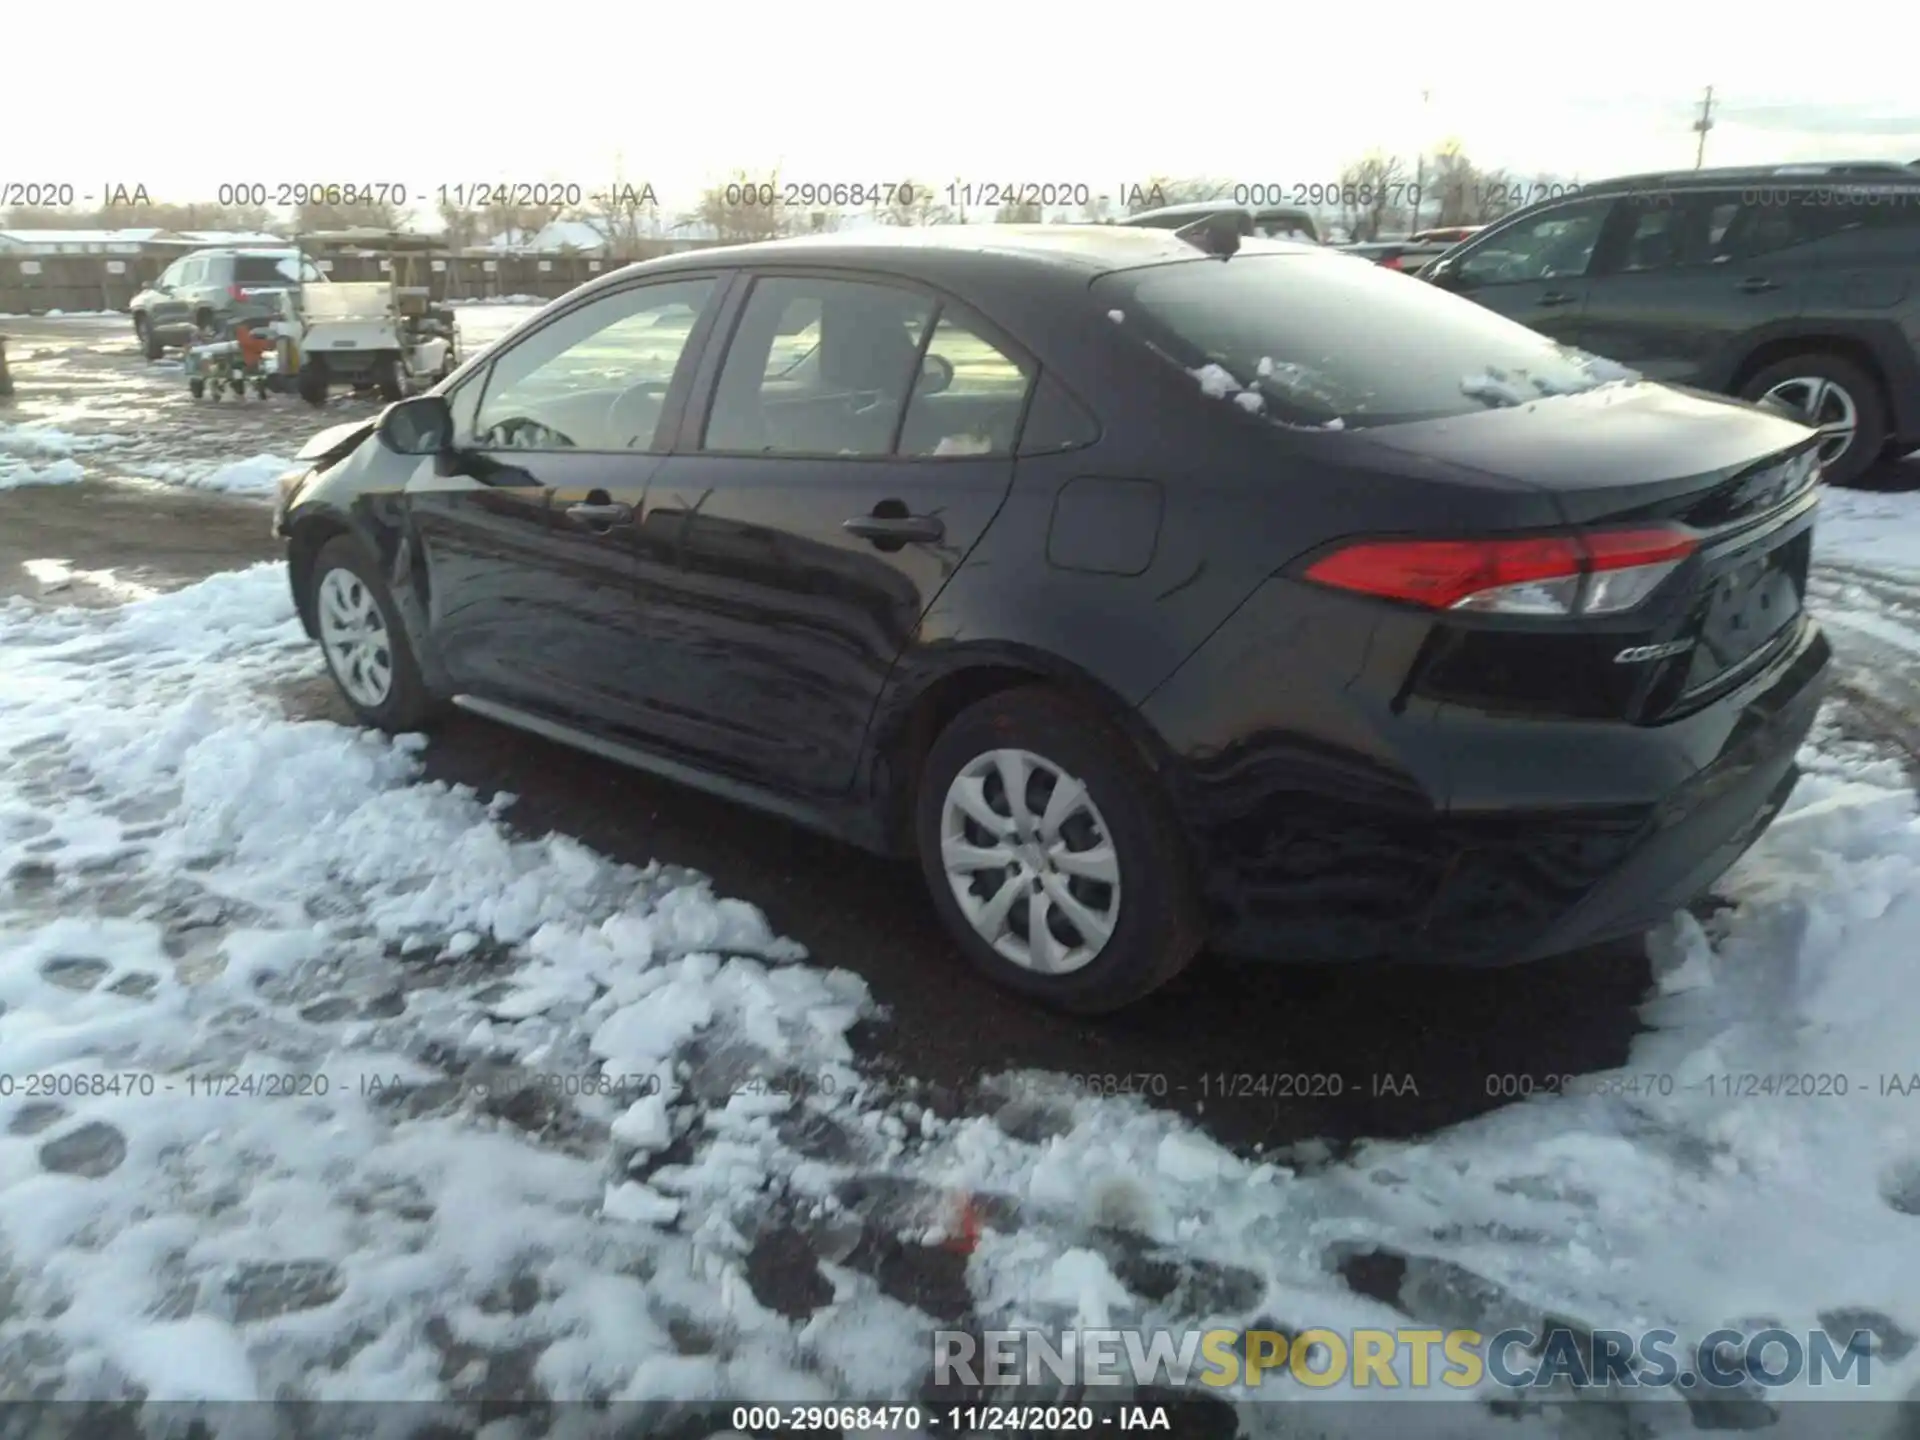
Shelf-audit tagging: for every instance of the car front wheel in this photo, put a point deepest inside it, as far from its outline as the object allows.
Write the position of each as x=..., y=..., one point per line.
x=360, y=634
x=1052, y=854
x=150, y=345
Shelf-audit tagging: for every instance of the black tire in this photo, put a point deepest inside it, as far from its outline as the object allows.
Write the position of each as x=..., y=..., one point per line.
x=390, y=378
x=203, y=320
x=1862, y=389
x=1158, y=930
x=150, y=345
x=311, y=381
x=196, y=387
x=407, y=705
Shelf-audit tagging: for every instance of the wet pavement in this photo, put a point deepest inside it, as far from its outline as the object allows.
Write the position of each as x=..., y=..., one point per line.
x=1386, y=1053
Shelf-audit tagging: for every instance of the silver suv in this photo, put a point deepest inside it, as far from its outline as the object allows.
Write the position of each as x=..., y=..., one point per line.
x=209, y=288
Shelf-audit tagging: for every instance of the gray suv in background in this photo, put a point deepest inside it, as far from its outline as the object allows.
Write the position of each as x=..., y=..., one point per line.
x=1793, y=285
x=211, y=287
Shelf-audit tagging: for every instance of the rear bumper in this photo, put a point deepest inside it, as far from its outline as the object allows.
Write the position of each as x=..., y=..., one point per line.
x=1329, y=825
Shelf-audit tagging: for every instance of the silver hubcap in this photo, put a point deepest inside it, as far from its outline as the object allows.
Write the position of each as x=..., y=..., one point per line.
x=1031, y=861
x=354, y=636
x=1827, y=407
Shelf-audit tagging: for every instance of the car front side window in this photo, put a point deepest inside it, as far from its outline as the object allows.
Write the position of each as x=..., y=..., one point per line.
x=1554, y=244
x=596, y=378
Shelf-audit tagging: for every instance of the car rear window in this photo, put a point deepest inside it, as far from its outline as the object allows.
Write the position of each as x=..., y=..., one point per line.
x=265, y=270
x=1338, y=343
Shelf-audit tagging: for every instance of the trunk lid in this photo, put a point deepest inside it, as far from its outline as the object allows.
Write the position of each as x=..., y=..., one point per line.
x=1741, y=478
x=1621, y=453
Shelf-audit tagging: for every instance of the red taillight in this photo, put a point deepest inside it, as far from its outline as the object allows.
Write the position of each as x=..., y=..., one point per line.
x=1392, y=262
x=236, y=292
x=1596, y=574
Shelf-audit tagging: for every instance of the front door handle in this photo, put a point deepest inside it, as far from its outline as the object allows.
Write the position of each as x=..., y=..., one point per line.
x=896, y=529
x=602, y=513
x=1757, y=285
x=1558, y=297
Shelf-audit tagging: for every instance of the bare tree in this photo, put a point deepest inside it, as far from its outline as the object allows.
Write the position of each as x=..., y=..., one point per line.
x=462, y=225
x=1015, y=213
x=625, y=213
x=914, y=203
x=744, y=207
x=140, y=215
x=370, y=214
x=1374, y=195
x=1159, y=190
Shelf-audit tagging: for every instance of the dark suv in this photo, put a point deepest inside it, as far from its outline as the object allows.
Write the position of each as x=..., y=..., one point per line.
x=209, y=287
x=1796, y=283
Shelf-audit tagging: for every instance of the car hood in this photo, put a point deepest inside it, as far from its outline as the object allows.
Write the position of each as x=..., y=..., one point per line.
x=335, y=439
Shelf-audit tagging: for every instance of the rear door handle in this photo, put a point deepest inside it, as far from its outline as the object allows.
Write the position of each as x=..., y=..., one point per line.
x=1756, y=285
x=897, y=529
x=611, y=512
x=1558, y=297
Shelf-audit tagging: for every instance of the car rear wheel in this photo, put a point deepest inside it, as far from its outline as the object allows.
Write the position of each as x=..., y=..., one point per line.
x=390, y=377
x=1837, y=398
x=311, y=381
x=1052, y=854
x=150, y=345
x=360, y=635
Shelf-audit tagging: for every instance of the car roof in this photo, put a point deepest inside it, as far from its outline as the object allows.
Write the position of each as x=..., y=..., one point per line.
x=1213, y=207
x=1081, y=250
x=1871, y=172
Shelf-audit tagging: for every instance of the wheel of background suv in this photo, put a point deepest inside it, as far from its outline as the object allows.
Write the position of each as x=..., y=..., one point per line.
x=150, y=345
x=390, y=376
x=1052, y=854
x=360, y=634
x=1839, y=399
x=311, y=381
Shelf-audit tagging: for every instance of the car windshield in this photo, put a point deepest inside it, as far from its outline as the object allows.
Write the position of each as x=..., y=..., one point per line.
x=1336, y=343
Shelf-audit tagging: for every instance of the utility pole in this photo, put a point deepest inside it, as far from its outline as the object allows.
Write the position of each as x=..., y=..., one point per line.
x=1420, y=165
x=1701, y=127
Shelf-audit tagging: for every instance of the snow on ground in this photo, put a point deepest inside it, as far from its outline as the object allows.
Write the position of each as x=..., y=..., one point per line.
x=38, y=454
x=399, y=1192
x=253, y=476
x=1867, y=527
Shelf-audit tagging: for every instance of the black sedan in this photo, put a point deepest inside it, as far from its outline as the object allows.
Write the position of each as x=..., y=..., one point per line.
x=1155, y=591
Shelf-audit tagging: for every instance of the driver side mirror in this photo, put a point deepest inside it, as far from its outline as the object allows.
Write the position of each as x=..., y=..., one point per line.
x=422, y=425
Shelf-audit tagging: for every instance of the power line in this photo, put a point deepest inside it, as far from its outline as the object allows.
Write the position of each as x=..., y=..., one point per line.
x=1701, y=127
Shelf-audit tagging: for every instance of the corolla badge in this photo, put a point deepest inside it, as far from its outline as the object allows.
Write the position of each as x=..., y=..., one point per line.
x=1634, y=654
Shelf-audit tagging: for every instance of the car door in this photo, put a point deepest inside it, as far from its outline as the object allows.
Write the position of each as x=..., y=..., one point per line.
x=529, y=528
x=1662, y=297
x=855, y=442
x=1533, y=269
x=168, y=309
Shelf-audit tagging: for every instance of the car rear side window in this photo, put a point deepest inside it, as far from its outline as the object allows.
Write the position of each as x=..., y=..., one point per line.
x=1056, y=421
x=968, y=398
x=1332, y=342
x=818, y=367
x=1772, y=222
x=265, y=270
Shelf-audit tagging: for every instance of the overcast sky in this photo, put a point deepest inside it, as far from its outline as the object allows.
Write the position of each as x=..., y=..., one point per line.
x=890, y=89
